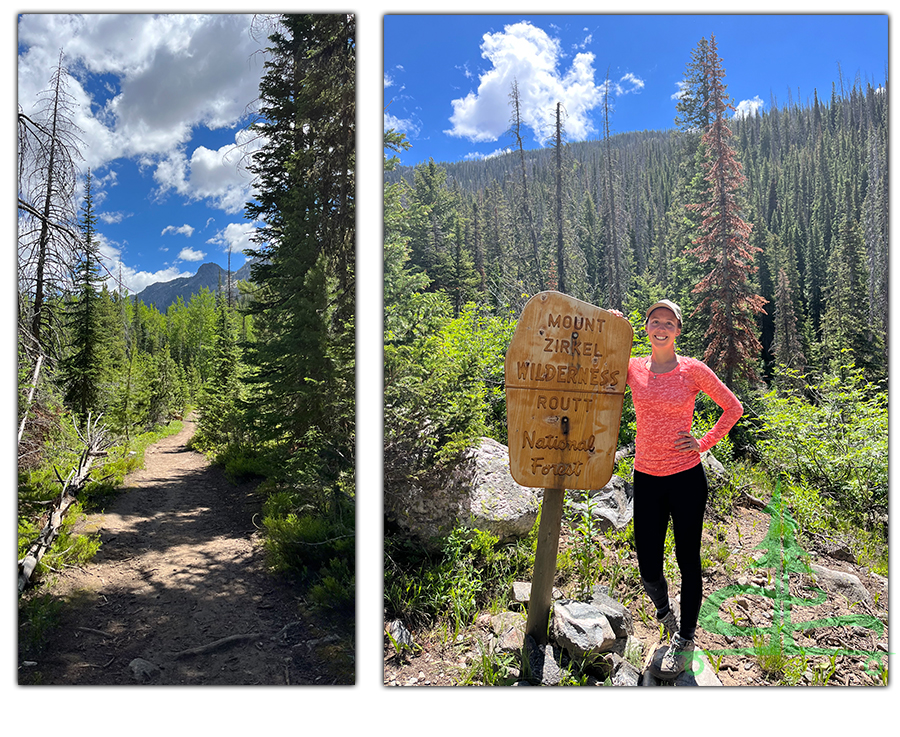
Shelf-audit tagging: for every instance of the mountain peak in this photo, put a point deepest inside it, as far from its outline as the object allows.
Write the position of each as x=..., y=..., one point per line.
x=209, y=275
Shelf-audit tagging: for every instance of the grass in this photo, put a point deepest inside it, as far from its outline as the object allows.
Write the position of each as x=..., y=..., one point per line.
x=770, y=655
x=471, y=572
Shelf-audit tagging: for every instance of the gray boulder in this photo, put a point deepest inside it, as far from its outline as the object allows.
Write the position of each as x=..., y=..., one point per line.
x=617, y=615
x=840, y=582
x=581, y=629
x=611, y=507
x=475, y=491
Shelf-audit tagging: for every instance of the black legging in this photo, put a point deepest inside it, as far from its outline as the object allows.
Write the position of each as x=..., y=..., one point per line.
x=683, y=496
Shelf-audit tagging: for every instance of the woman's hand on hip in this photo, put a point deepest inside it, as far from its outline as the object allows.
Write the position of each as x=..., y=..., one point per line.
x=686, y=443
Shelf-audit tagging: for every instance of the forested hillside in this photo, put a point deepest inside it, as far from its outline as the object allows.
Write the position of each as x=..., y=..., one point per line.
x=815, y=195
x=265, y=364
x=770, y=231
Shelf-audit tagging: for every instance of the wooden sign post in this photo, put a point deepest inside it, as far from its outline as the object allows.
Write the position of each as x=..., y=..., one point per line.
x=566, y=368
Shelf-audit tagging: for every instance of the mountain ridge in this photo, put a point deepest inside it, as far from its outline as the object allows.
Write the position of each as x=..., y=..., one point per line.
x=209, y=275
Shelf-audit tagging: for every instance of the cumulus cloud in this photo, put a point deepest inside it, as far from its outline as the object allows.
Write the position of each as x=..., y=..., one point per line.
x=183, y=230
x=748, y=107
x=475, y=156
x=189, y=254
x=628, y=84
x=216, y=176
x=160, y=77
x=124, y=277
x=234, y=238
x=527, y=55
x=112, y=218
x=682, y=90
x=409, y=126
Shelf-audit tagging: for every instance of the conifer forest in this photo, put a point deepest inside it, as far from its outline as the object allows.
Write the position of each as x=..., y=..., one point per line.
x=769, y=230
x=265, y=367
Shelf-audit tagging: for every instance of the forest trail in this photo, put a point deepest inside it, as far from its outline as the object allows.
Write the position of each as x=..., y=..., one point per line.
x=180, y=568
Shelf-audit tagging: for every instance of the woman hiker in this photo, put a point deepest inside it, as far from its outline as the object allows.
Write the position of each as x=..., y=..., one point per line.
x=668, y=477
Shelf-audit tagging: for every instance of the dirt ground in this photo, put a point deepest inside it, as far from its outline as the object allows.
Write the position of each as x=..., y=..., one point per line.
x=178, y=593
x=442, y=663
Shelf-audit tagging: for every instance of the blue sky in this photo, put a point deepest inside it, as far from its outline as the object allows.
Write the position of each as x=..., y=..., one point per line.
x=447, y=77
x=162, y=103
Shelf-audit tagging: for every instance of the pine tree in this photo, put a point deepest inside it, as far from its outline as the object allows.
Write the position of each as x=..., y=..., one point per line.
x=303, y=358
x=732, y=344
x=560, y=220
x=845, y=327
x=613, y=258
x=786, y=347
x=431, y=223
x=85, y=369
x=221, y=395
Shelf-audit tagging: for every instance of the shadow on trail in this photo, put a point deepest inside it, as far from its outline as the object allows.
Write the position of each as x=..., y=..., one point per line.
x=179, y=570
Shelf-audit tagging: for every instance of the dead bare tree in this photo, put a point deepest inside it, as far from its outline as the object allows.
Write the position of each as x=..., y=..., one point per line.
x=48, y=149
x=95, y=441
x=516, y=131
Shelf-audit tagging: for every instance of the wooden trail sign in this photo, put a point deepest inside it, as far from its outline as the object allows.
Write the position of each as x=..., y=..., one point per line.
x=566, y=368
x=565, y=382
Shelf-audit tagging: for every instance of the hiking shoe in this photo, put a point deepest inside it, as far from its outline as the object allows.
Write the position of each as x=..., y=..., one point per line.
x=676, y=658
x=670, y=622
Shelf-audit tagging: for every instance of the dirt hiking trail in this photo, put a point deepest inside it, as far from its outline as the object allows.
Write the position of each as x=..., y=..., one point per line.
x=178, y=593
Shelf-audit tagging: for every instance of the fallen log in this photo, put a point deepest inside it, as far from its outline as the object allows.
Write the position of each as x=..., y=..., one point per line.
x=96, y=443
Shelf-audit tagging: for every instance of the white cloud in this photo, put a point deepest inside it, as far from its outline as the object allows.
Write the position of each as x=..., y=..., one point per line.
x=527, y=55
x=234, y=237
x=189, y=254
x=131, y=279
x=403, y=125
x=628, y=83
x=112, y=218
x=475, y=156
x=161, y=77
x=748, y=107
x=183, y=230
x=588, y=40
x=217, y=176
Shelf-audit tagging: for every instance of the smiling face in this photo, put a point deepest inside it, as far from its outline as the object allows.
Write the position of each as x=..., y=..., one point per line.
x=662, y=327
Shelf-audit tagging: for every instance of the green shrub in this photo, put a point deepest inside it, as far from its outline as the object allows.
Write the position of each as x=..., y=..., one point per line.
x=470, y=573
x=443, y=382
x=38, y=614
x=835, y=442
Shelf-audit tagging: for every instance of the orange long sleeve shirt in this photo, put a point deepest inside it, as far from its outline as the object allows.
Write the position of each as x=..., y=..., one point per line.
x=664, y=405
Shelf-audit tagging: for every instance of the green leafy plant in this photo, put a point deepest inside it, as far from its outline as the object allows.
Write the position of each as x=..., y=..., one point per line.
x=38, y=615
x=770, y=654
x=588, y=552
x=489, y=668
x=836, y=443
x=822, y=672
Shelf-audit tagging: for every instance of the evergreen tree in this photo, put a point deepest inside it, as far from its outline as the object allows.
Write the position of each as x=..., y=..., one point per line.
x=613, y=258
x=845, y=327
x=85, y=369
x=221, y=395
x=786, y=348
x=304, y=353
x=733, y=346
x=433, y=213
x=537, y=275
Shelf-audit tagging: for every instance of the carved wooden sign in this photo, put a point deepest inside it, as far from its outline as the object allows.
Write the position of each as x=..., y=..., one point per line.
x=566, y=369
